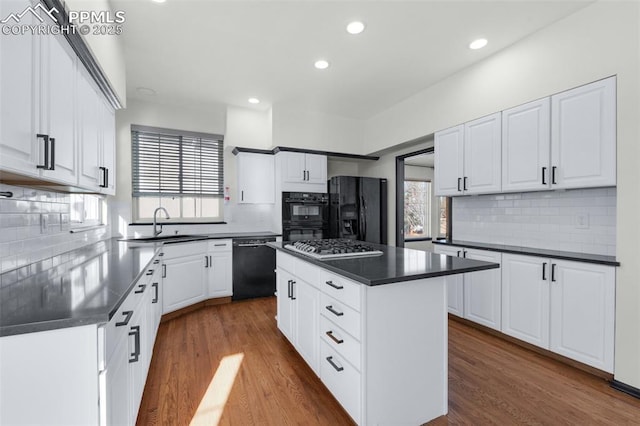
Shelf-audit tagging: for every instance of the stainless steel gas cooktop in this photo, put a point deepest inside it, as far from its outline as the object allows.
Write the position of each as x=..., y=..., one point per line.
x=333, y=248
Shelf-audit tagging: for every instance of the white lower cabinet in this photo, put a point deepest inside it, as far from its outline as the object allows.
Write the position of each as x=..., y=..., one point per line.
x=368, y=345
x=475, y=296
x=220, y=264
x=185, y=275
x=564, y=306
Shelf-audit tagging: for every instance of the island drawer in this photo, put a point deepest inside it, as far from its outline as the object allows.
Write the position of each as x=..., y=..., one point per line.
x=341, y=341
x=342, y=379
x=340, y=314
x=341, y=288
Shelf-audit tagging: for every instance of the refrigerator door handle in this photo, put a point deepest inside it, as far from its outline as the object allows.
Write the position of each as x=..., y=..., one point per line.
x=364, y=219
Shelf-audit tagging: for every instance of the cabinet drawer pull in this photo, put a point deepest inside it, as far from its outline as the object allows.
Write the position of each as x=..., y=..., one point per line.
x=333, y=311
x=336, y=286
x=45, y=138
x=155, y=287
x=149, y=272
x=155, y=262
x=141, y=288
x=164, y=269
x=220, y=245
x=135, y=332
x=334, y=338
x=127, y=317
x=334, y=365
x=544, y=172
x=553, y=272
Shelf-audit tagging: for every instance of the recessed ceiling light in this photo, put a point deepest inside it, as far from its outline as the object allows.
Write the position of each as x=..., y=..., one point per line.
x=355, y=27
x=146, y=91
x=254, y=100
x=478, y=44
x=321, y=64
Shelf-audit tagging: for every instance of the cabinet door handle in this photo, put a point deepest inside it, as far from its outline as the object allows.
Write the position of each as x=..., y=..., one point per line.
x=464, y=254
x=334, y=338
x=206, y=261
x=289, y=289
x=459, y=251
x=106, y=177
x=164, y=269
x=553, y=175
x=52, y=164
x=304, y=175
x=459, y=183
x=155, y=287
x=333, y=311
x=127, y=318
x=45, y=138
x=464, y=183
x=293, y=296
x=336, y=286
x=135, y=332
x=102, y=170
x=553, y=272
x=241, y=195
x=334, y=365
x=141, y=288
x=544, y=271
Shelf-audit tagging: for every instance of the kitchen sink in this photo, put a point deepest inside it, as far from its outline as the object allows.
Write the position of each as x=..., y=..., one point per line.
x=165, y=238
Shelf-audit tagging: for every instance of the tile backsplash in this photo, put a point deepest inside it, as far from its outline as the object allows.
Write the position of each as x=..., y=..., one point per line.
x=581, y=220
x=35, y=225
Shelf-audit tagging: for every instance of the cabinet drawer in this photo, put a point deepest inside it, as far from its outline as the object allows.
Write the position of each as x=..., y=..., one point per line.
x=342, y=289
x=122, y=319
x=341, y=341
x=341, y=315
x=342, y=380
x=220, y=245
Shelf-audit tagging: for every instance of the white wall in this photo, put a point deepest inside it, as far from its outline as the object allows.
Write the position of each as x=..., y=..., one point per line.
x=315, y=130
x=107, y=49
x=597, y=41
x=248, y=128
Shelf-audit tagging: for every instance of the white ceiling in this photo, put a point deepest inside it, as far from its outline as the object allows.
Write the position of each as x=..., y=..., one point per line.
x=204, y=52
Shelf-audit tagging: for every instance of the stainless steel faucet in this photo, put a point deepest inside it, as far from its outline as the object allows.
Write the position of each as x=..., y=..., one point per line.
x=155, y=220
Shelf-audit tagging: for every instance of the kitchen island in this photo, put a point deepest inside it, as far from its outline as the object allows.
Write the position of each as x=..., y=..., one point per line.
x=373, y=328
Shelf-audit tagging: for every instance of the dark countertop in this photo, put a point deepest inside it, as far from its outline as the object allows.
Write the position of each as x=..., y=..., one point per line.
x=394, y=265
x=84, y=286
x=173, y=239
x=554, y=254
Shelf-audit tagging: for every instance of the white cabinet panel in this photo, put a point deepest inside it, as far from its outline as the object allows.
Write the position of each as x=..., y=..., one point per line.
x=256, y=178
x=89, y=124
x=306, y=322
x=301, y=172
x=18, y=96
x=583, y=312
x=185, y=282
x=316, y=166
x=482, y=291
x=285, y=307
x=525, y=298
x=108, y=148
x=221, y=278
x=583, y=135
x=482, y=155
x=526, y=143
x=455, y=283
x=117, y=408
x=449, y=161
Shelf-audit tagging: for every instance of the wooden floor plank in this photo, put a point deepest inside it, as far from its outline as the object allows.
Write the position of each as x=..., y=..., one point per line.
x=491, y=381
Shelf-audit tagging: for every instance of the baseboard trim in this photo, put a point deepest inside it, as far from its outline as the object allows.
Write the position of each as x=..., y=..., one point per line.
x=195, y=307
x=623, y=387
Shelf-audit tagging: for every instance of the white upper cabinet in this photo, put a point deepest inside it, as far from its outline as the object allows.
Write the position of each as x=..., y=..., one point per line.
x=482, y=153
x=467, y=158
x=89, y=135
x=18, y=64
x=58, y=107
x=108, y=127
x=301, y=172
x=583, y=136
x=256, y=178
x=449, y=163
x=525, y=147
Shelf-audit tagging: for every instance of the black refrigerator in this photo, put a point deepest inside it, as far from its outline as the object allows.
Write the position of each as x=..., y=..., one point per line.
x=358, y=208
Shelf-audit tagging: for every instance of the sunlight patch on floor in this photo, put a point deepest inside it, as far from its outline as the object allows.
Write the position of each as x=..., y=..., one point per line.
x=212, y=404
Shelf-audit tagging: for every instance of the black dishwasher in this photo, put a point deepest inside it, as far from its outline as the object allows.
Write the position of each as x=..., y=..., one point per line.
x=254, y=265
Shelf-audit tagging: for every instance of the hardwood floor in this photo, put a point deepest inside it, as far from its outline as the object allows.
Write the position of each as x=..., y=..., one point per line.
x=491, y=381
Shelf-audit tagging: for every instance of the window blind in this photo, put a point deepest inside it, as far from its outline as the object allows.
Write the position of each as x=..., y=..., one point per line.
x=169, y=162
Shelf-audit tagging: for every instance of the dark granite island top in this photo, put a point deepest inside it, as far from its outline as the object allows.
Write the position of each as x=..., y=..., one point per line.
x=83, y=286
x=394, y=265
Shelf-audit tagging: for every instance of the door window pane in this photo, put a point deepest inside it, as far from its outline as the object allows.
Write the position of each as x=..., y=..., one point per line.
x=417, y=209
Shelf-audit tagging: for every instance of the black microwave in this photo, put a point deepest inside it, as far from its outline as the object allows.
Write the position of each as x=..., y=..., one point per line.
x=304, y=207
